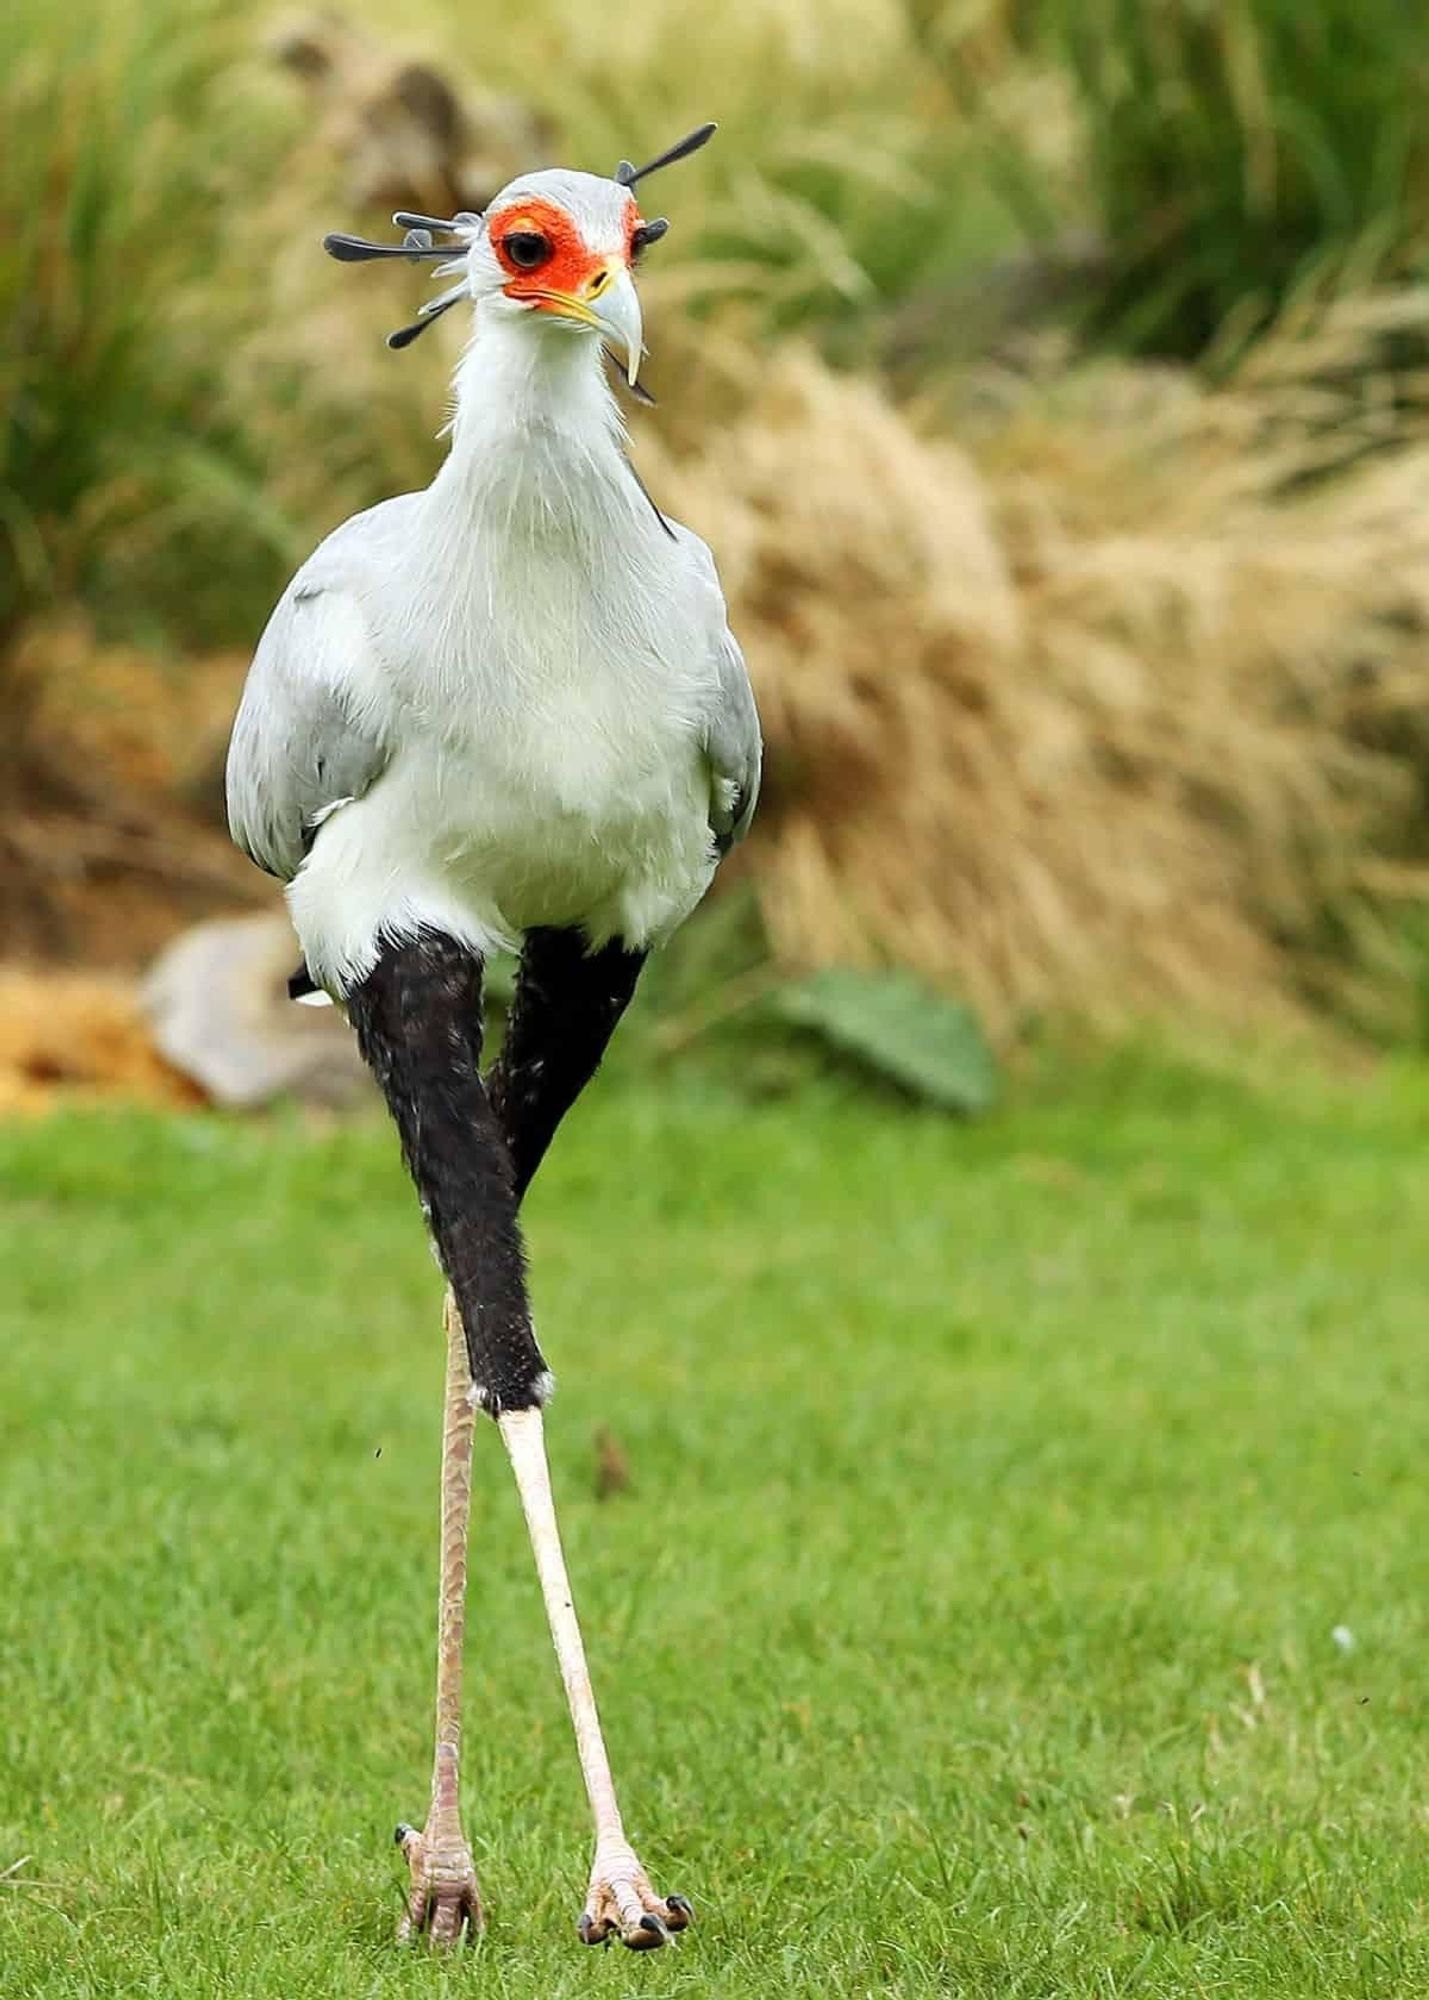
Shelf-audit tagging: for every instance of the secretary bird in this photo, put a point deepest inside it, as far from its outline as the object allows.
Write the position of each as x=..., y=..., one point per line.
x=506, y=712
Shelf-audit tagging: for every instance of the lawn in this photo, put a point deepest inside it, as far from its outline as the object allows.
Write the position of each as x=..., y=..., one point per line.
x=1021, y=1587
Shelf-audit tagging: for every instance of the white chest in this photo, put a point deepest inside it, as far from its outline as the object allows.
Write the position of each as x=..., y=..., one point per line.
x=550, y=728
x=564, y=673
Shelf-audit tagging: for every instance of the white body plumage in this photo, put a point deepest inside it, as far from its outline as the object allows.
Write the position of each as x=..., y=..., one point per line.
x=542, y=653
x=509, y=700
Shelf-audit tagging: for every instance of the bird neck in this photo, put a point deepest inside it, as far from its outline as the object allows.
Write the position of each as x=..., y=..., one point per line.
x=538, y=442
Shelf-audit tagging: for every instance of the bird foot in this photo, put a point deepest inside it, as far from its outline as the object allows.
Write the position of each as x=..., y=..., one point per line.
x=622, y=1904
x=444, y=1899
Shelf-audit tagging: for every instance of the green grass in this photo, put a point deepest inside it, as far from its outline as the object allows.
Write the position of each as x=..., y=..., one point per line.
x=1238, y=151
x=968, y=1628
x=127, y=480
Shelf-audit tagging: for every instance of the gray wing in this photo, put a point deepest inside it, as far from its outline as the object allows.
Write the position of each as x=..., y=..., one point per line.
x=731, y=738
x=306, y=738
x=734, y=748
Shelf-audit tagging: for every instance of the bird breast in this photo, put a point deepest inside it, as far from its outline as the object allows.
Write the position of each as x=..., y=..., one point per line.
x=562, y=678
x=550, y=735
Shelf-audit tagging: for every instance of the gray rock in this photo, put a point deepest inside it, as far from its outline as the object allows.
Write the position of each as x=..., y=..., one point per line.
x=217, y=1003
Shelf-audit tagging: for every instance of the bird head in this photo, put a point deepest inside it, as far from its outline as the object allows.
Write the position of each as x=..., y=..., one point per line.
x=558, y=244
x=564, y=245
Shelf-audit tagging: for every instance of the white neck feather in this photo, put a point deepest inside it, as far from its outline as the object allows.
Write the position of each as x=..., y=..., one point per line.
x=538, y=442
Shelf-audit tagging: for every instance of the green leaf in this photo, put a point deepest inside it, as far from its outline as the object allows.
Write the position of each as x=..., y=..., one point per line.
x=897, y=1028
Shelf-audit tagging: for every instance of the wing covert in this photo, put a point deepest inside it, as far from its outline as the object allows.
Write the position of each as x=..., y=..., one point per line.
x=734, y=747
x=302, y=744
x=731, y=735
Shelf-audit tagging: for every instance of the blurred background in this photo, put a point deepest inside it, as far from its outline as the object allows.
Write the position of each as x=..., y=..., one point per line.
x=1051, y=380
x=1003, y=1544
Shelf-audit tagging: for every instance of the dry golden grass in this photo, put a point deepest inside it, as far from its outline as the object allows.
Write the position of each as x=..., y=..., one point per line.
x=80, y=1036
x=1108, y=719
x=111, y=833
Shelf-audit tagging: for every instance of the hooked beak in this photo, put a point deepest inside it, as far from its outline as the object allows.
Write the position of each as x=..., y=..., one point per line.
x=610, y=303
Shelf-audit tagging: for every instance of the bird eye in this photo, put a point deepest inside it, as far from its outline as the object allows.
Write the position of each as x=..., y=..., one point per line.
x=528, y=249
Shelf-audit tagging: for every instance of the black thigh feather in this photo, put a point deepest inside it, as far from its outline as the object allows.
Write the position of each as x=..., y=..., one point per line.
x=568, y=1000
x=418, y=1019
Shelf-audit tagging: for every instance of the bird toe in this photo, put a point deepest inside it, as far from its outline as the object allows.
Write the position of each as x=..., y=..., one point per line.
x=646, y=1935
x=443, y=1900
x=622, y=1904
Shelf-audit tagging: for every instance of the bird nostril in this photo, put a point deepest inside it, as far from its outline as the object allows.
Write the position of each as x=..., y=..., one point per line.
x=598, y=284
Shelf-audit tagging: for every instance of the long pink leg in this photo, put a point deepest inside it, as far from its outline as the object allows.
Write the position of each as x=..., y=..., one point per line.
x=444, y=1897
x=620, y=1898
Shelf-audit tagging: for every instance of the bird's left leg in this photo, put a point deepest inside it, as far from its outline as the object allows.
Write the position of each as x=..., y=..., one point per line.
x=567, y=1003
x=620, y=1901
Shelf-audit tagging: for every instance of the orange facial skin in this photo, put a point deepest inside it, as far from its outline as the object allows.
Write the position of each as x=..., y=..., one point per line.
x=571, y=271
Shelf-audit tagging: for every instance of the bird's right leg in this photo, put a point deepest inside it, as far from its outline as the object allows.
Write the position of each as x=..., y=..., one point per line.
x=417, y=1016
x=444, y=1897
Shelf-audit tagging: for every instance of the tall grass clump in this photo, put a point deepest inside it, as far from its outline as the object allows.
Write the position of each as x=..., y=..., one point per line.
x=124, y=479
x=1120, y=715
x=1235, y=149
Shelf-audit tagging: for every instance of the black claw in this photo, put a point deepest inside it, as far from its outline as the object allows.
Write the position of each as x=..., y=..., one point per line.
x=590, y=1932
x=650, y=1934
x=400, y=1836
x=682, y=1906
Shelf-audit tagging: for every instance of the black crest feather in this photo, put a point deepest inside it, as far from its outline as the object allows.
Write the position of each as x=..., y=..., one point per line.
x=628, y=175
